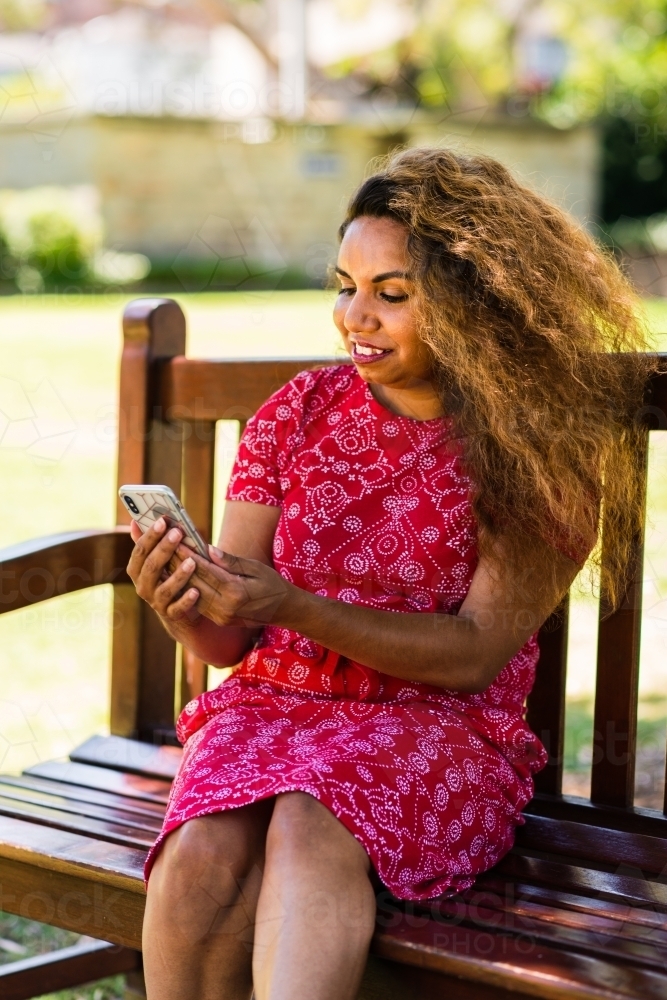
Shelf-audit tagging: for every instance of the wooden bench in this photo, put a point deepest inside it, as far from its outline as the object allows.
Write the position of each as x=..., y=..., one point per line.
x=577, y=909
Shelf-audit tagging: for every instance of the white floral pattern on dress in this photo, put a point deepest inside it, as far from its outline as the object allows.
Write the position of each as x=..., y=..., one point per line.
x=375, y=510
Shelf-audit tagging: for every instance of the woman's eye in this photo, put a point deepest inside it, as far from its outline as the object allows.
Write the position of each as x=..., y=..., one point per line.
x=346, y=290
x=392, y=298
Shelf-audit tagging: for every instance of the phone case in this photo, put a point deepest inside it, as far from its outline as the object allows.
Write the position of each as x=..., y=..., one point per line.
x=148, y=503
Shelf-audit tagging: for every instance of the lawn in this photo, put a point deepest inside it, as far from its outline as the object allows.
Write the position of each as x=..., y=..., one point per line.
x=58, y=391
x=58, y=388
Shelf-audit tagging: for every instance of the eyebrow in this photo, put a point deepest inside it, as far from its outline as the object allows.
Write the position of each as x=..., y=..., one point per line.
x=378, y=277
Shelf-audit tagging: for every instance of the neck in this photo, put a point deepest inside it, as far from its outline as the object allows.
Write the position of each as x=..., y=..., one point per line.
x=420, y=403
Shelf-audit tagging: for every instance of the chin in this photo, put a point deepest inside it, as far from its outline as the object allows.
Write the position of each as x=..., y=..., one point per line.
x=376, y=377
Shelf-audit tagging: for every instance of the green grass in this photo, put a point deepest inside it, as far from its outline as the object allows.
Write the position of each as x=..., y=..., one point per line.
x=61, y=357
x=656, y=312
x=20, y=938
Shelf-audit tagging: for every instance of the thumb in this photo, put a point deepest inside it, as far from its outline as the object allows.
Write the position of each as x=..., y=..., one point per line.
x=228, y=562
x=217, y=556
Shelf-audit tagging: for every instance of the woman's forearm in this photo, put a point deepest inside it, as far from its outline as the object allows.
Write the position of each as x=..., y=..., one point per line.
x=221, y=646
x=439, y=649
x=462, y=652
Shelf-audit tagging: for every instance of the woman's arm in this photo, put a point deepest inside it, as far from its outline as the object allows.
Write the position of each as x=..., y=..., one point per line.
x=463, y=652
x=249, y=531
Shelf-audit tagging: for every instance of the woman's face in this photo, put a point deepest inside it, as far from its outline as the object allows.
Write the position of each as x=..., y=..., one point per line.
x=375, y=310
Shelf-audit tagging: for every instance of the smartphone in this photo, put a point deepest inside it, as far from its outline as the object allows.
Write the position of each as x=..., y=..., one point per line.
x=148, y=503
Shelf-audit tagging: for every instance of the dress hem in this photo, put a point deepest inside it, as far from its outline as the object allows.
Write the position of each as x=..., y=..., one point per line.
x=463, y=881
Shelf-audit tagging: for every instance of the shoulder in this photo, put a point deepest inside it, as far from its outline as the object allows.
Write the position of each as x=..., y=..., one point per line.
x=322, y=383
x=308, y=394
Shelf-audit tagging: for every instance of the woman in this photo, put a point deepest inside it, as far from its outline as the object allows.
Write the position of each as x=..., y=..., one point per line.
x=400, y=528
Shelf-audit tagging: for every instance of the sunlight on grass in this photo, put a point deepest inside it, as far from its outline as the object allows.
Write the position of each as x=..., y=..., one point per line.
x=59, y=387
x=656, y=312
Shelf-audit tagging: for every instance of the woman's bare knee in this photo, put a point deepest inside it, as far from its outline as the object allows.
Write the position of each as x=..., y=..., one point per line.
x=302, y=826
x=205, y=846
x=312, y=857
x=209, y=873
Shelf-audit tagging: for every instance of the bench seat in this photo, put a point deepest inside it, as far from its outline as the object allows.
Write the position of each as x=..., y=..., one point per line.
x=74, y=836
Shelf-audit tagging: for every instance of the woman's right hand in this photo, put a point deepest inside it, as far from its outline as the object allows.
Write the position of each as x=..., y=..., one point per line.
x=166, y=592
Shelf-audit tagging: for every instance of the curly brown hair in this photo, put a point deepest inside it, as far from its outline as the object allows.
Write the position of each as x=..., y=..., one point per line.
x=523, y=312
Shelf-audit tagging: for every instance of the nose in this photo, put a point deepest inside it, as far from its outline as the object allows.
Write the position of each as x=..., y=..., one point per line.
x=359, y=316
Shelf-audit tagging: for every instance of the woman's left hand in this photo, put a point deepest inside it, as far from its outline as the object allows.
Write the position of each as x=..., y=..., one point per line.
x=235, y=591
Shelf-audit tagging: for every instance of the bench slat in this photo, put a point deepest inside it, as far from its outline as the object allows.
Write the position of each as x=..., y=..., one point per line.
x=56, y=819
x=72, y=854
x=546, y=702
x=131, y=756
x=569, y=901
x=549, y=908
x=593, y=936
x=78, y=793
x=230, y=389
x=516, y=964
x=102, y=779
x=51, y=800
x=550, y=912
x=635, y=820
x=618, y=888
x=592, y=843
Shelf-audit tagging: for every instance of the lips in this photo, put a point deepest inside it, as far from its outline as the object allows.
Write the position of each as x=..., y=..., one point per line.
x=367, y=354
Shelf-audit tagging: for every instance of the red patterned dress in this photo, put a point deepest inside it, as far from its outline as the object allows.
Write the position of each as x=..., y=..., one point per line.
x=375, y=510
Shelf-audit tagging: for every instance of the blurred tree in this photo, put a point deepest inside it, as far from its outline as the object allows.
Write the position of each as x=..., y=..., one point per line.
x=19, y=15
x=560, y=61
x=564, y=62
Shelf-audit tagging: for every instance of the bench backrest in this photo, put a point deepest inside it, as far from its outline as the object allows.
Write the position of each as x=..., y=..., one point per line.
x=169, y=406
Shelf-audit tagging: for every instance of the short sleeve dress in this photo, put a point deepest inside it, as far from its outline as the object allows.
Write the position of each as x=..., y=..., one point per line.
x=375, y=510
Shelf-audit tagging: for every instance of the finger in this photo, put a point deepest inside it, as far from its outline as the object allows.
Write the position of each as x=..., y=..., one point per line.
x=219, y=606
x=184, y=607
x=143, y=545
x=211, y=572
x=226, y=585
x=135, y=531
x=155, y=563
x=180, y=555
x=233, y=605
x=184, y=551
x=233, y=564
x=170, y=589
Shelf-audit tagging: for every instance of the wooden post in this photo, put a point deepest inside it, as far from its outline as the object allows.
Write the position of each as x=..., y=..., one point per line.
x=143, y=674
x=617, y=680
x=198, y=463
x=546, y=703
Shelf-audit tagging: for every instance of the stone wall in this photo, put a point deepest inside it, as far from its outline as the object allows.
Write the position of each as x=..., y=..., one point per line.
x=259, y=195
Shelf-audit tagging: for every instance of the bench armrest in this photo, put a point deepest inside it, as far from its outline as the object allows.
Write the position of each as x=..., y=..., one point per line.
x=41, y=568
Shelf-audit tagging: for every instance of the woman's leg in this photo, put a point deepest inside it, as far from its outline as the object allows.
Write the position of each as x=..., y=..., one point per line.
x=316, y=910
x=200, y=911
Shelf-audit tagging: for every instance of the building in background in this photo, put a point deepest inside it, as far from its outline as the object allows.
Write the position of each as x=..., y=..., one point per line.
x=212, y=139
